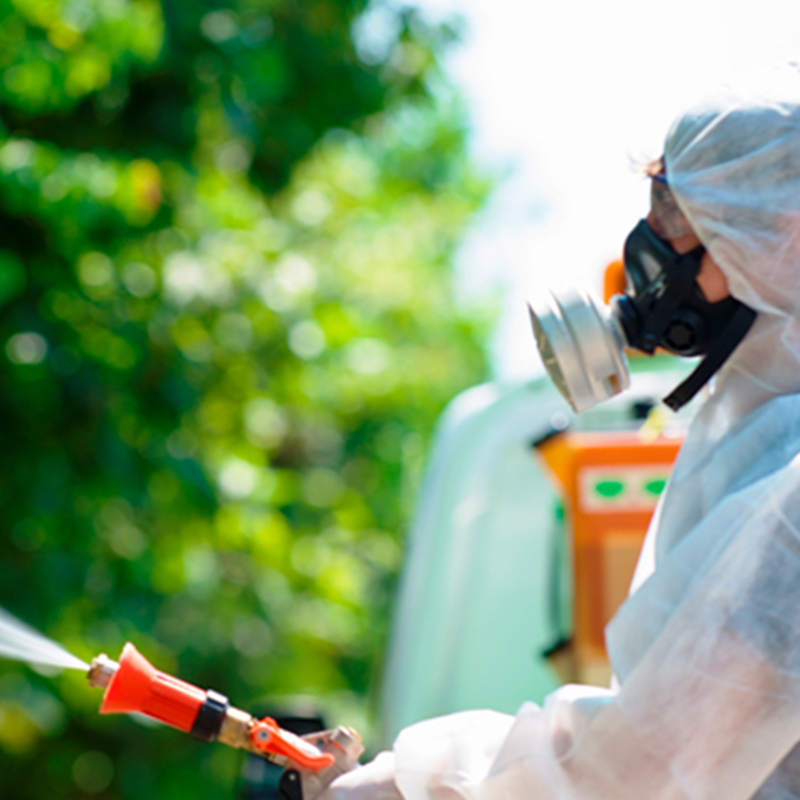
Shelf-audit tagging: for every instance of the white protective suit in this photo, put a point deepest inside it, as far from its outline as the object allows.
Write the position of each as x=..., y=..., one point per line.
x=707, y=647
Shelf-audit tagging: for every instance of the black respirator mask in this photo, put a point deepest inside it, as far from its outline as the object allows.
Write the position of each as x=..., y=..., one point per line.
x=582, y=341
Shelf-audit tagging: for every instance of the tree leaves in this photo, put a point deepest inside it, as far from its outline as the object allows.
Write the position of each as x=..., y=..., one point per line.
x=228, y=329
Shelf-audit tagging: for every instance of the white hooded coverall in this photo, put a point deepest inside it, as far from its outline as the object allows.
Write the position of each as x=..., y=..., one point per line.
x=707, y=647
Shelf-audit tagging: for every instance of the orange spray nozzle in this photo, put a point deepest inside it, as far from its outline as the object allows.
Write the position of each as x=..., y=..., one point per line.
x=134, y=685
x=137, y=686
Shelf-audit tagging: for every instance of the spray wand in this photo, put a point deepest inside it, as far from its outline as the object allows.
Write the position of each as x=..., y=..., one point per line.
x=310, y=762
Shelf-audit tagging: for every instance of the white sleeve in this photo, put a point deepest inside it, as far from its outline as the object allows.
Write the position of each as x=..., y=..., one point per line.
x=708, y=654
x=577, y=746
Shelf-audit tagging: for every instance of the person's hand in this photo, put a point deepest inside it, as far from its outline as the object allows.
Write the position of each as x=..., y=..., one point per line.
x=373, y=781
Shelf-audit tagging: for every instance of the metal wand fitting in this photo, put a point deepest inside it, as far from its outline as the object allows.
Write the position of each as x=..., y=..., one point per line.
x=101, y=671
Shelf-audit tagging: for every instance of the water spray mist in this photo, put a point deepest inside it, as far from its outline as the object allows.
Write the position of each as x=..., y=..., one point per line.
x=133, y=685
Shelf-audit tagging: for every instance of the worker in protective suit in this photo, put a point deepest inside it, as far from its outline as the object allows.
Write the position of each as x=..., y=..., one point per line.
x=706, y=650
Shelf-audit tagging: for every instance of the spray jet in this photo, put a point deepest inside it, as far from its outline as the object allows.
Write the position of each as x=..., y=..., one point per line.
x=133, y=685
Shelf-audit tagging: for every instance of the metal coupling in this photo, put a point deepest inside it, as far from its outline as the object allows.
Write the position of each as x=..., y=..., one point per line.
x=101, y=671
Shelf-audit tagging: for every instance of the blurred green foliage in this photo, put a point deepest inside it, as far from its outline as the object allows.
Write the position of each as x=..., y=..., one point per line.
x=227, y=330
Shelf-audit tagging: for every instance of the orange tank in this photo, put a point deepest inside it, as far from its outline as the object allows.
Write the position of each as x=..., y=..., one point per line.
x=611, y=483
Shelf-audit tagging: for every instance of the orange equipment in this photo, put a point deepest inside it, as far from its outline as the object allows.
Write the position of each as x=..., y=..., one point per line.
x=613, y=280
x=611, y=484
x=135, y=685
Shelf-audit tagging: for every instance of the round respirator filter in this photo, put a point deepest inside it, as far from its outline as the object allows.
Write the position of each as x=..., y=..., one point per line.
x=582, y=347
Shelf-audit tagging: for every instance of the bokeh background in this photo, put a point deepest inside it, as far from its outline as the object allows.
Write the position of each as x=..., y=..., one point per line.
x=228, y=328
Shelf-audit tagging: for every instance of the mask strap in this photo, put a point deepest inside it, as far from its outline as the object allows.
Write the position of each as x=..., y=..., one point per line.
x=733, y=333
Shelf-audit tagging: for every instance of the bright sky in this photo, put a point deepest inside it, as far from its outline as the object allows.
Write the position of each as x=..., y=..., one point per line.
x=564, y=95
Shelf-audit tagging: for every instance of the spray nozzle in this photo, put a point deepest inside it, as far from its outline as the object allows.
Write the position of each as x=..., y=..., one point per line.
x=134, y=685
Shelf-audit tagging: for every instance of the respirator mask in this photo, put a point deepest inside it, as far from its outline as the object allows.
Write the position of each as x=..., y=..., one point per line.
x=582, y=342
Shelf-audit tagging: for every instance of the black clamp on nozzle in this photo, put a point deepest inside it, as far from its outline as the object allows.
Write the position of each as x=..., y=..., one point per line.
x=210, y=717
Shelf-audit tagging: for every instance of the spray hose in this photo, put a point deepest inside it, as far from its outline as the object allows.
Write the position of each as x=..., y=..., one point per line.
x=311, y=762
